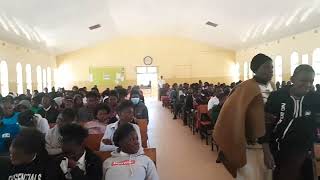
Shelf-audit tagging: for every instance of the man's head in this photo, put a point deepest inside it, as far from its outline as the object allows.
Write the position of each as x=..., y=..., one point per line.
x=8, y=108
x=318, y=87
x=102, y=113
x=46, y=101
x=78, y=100
x=26, y=119
x=126, y=138
x=28, y=91
x=161, y=77
x=75, y=88
x=73, y=136
x=92, y=100
x=68, y=101
x=125, y=111
x=24, y=105
x=122, y=93
x=35, y=101
x=113, y=98
x=175, y=86
x=25, y=147
x=262, y=66
x=67, y=116
x=302, y=79
x=45, y=90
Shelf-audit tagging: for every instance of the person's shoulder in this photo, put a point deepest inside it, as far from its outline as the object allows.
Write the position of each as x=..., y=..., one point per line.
x=40, y=110
x=52, y=130
x=313, y=97
x=144, y=158
x=142, y=104
x=135, y=126
x=280, y=93
x=91, y=157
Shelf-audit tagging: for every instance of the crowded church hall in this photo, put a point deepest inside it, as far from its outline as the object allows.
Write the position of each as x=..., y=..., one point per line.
x=159, y=90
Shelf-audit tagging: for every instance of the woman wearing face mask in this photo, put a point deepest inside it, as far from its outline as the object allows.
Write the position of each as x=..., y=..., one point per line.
x=139, y=108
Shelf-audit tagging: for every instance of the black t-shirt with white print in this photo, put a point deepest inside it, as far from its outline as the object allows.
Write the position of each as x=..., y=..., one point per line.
x=36, y=170
x=294, y=128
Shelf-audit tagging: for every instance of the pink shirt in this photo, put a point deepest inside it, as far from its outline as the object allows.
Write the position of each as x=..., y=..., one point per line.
x=95, y=127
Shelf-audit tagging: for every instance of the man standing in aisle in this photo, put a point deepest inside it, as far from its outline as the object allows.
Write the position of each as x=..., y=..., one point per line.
x=242, y=122
x=161, y=83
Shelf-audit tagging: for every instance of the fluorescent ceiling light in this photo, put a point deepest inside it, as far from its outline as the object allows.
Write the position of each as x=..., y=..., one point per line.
x=279, y=23
x=20, y=26
x=256, y=32
x=13, y=27
x=268, y=26
x=291, y=18
x=4, y=24
x=306, y=14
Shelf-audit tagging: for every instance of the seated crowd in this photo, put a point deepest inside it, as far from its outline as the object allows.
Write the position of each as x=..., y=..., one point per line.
x=285, y=118
x=43, y=135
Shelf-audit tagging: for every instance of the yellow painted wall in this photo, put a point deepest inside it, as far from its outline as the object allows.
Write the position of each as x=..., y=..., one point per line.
x=178, y=60
x=13, y=54
x=303, y=43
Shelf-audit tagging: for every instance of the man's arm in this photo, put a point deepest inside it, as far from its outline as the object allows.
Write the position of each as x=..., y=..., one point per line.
x=270, y=121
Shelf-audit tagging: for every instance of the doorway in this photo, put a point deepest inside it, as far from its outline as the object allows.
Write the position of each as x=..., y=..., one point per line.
x=147, y=79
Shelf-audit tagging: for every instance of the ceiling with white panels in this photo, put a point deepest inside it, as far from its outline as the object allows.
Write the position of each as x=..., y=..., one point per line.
x=62, y=25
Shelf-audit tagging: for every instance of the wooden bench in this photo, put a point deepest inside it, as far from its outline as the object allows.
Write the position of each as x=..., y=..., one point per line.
x=317, y=158
x=150, y=152
x=143, y=125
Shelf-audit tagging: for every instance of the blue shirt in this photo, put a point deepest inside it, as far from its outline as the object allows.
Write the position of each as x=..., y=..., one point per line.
x=11, y=120
x=7, y=133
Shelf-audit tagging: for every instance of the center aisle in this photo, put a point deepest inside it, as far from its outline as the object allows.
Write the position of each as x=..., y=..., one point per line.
x=180, y=155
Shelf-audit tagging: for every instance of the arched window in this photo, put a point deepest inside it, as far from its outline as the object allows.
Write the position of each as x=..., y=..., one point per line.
x=278, y=69
x=305, y=59
x=4, y=78
x=19, y=78
x=29, y=77
x=49, y=79
x=245, y=71
x=39, y=78
x=250, y=72
x=236, y=72
x=44, y=78
x=294, y=61
x=316, y=65
x=56, y=78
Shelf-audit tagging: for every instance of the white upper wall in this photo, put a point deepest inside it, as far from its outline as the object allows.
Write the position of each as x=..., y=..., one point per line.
x=14, y=54
x=303, y=43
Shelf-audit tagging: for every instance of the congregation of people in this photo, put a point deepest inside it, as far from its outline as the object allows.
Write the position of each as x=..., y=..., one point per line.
x=261, y=130
x=43, y=135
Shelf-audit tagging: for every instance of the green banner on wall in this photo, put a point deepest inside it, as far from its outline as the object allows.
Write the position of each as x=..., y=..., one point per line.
x=106, y=76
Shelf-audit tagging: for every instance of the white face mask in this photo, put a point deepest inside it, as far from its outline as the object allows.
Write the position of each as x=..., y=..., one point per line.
x=135, y=101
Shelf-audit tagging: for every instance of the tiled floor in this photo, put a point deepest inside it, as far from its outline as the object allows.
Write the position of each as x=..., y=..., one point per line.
x=180, y=155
